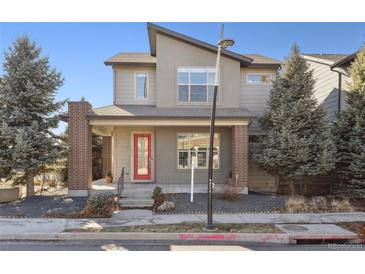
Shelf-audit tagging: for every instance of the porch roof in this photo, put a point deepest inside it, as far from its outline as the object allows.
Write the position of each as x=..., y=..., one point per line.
x=147, y=112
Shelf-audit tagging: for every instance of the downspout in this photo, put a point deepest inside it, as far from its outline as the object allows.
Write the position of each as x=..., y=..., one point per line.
x=339, y=90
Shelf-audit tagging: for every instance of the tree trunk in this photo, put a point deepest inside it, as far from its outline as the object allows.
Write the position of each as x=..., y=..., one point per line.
x=30, y=185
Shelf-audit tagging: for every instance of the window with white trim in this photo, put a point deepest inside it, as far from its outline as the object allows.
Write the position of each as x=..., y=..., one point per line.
x=141, y=84
x=195, y=85
x=258, y=79
x=195, y=147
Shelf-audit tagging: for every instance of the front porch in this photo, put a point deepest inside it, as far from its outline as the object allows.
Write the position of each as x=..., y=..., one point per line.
x=158, y=150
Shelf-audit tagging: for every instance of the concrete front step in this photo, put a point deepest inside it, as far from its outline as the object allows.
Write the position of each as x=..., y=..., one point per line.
x=136, y=195
x=136, y=202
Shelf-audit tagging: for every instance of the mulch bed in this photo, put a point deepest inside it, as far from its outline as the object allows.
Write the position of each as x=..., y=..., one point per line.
x=43, y=206
x=246, y=203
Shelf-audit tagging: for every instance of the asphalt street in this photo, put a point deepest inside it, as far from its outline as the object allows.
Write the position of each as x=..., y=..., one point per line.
x=167, y=246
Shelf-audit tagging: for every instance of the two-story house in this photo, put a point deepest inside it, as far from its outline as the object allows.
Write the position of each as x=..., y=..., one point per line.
x=159, y=120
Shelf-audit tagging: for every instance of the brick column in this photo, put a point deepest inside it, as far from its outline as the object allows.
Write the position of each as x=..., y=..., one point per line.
x=107, y=154
x=80, y=149
x=240, y=157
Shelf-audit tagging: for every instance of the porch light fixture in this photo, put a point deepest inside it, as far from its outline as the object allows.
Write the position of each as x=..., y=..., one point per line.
x=222, y=44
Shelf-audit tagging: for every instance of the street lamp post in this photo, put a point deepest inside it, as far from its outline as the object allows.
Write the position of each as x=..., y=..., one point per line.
x=222, y=44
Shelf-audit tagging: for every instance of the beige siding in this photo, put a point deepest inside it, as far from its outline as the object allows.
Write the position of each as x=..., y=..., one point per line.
x=124, y=85
x=255, y=97
x=166, y=157
x=326, y=88
x=172, y=53
x=258, y=180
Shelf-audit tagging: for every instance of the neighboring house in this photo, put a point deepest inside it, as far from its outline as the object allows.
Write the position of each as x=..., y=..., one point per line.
x=332, y=75
x=159, y=120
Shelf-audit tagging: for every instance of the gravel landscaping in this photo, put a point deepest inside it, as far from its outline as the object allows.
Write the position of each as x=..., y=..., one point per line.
x=246, y=203
x=42, y=206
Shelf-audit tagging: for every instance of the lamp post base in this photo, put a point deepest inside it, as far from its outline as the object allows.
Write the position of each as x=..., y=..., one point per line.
x=209, y=228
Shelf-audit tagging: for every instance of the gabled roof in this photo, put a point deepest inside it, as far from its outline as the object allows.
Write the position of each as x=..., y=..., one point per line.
x=327, y=57
x=145, y=111
x=261, y=60
x=136, y=58
x=154, y=29
x=345, y=60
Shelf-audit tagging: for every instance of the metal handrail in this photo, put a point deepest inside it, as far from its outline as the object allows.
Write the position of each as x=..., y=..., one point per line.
x=120, y=184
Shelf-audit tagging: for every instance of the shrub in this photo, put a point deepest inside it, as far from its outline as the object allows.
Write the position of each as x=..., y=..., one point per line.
x=230, y=193
x=100, y=205
x=158, y=197
x=296, y=204
x=341, y=205
x=157, y=192
x=318, y=204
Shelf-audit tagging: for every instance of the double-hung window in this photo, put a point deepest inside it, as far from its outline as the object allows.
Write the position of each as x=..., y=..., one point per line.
x=258, y=79
x=194, y=148
x=141, y=85
x=195, y=85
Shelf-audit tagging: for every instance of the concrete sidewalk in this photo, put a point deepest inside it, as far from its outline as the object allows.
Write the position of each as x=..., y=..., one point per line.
x=35, y=226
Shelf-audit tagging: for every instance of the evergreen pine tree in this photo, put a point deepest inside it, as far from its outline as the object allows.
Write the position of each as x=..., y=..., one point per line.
x=350, y=133
x=297, y=144
x=28, y=114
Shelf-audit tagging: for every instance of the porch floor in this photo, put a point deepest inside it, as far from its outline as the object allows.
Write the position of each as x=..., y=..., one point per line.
x=101, y=185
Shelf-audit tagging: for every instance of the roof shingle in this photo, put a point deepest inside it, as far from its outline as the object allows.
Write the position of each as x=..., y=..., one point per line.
x=332, y=57
x=261, y=59
x=131, y=57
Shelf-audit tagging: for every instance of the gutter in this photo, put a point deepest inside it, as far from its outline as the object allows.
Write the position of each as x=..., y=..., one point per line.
x=345, y=60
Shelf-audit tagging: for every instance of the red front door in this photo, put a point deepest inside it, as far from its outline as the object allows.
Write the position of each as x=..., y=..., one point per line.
x=142, y=156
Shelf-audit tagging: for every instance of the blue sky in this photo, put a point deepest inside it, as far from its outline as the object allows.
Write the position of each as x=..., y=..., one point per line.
x=78, y=50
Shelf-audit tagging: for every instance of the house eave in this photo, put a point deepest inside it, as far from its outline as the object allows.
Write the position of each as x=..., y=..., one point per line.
x=142, y=64
x=344, y=61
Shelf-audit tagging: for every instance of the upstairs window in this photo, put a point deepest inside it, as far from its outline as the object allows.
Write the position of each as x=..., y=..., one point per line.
x=195, y=85
x=258, y=79
x=141, y=83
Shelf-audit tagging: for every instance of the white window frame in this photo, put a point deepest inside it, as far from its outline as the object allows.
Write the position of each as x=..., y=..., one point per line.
x=147, y=83
x=189, y=151
x=190, y=69
x=258, y=74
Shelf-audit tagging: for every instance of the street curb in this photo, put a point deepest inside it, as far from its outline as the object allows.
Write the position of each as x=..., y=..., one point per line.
x=278, y=238
x=30, y=237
